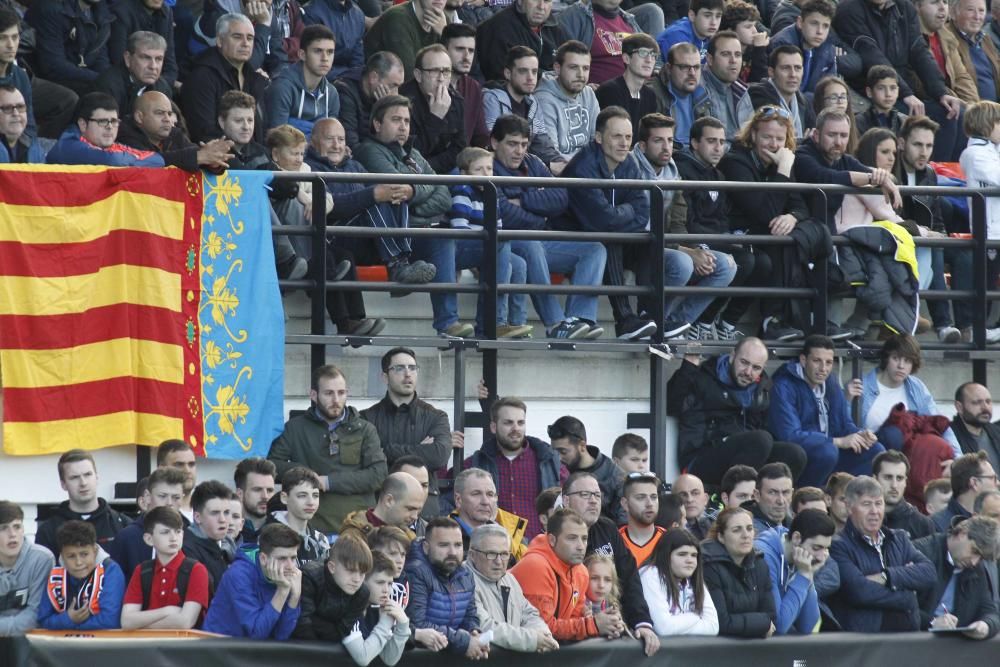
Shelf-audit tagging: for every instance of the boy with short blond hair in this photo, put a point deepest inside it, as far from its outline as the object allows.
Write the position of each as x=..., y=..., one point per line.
x=384, y=629
x=300, y=492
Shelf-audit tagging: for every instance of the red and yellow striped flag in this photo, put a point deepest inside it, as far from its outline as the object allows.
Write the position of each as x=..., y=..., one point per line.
x=99, y=295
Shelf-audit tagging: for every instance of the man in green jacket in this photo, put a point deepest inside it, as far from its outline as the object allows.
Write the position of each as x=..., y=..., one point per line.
x=334, y=442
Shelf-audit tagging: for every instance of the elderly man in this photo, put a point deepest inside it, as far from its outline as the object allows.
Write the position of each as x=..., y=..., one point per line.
x=141, y=70
x=476, y=505
x=501, y=604
x=525, y=23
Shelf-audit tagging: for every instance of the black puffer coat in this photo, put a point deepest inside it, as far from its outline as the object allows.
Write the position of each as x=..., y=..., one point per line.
x=741, y=593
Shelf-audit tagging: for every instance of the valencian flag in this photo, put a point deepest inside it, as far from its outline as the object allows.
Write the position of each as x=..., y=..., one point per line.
x=138, y=305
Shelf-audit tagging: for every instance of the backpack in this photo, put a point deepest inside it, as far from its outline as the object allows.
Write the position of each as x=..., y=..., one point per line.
x=183, y=576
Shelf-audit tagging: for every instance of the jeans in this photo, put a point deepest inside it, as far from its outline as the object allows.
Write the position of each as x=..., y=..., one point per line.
x=753, y=269
x=650, y=19
x=678, y=266
x=584, y=262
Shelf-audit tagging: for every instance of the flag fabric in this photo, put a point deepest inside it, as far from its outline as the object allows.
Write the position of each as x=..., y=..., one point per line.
x=103, y=298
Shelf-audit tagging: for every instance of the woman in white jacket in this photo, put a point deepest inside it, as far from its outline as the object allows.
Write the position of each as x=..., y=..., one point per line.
x=674, y=588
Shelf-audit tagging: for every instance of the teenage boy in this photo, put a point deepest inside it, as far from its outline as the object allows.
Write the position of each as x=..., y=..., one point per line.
x=882, y=90
x=23, y=570
x=334, y=596
x=811, y=33
x=170, y=591
x=384, y=629
x=629, y=91
x=300, y=491
x=203, y=539
x=701, y=24
x=178, y=454
x=85, y=591
x=258, y=598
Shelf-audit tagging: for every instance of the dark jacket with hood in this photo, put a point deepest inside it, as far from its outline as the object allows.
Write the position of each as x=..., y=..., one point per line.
x=443, y=602
x=825, y=61
x=71, y=44
x=603, y=538
x=508, y=28
x=328, y=613
x=270, y=49
x=606, y=209
x=132, y=16
x=549, y=464
x=905, y=517
x=610, y=478
x=355, y=111
x=741, y=593
x=207, y=552
x=211, y=76
x=289, y=101
x=118, y=83
x=105, y=520
x=973, y=595
x=439, y=140
x=752, y=210
x=538, y=205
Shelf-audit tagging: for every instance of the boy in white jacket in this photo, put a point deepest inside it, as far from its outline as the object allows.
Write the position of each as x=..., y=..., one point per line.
x=384, y=630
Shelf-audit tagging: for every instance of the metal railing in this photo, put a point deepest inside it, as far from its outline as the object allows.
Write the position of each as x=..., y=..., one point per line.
x=975, y=352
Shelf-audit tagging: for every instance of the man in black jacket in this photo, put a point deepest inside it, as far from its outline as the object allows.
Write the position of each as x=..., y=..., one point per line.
x=582, y=493
x=407, y=425
x=71, y=41
x=525, y=23
x=629, y=91
x=154, y=16
x=139, y=71
x=437, y=116
x=383, y=75
x=972, y=427
x=961, y=596
x=569, y=438
x=890, y=469
x=202, y=539
x=781, y=89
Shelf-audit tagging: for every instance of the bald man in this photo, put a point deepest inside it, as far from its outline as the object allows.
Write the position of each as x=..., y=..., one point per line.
x=721, y=405
x=691, y=492
x=153, y=127
x=399, y=504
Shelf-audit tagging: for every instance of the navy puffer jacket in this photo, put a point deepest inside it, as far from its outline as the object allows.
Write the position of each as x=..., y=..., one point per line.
x=446, y=603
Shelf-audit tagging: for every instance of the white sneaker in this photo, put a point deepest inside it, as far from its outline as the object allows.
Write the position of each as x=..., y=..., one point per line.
x=993, y=335
x=949, y=335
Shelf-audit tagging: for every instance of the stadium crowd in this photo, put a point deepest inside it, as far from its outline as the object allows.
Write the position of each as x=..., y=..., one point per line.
x=789, y=518
x=863, y=93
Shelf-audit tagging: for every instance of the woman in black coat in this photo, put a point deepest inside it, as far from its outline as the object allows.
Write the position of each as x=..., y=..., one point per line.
x=737, y=577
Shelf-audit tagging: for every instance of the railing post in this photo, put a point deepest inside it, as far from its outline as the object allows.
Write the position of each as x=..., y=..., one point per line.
x=821, y=303
x=458, y=405
x=317, y=356
x=980, y=306
x=488, y=270
x=657, y=379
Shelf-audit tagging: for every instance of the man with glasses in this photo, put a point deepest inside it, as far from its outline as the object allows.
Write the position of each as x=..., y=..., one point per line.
x=438, y=113
x=17, y=146
x=92, y=141
x=629, y=91
x=568, y=436
x=781, y=89
x=679, y=92
x=407, y=425
x=971, y=474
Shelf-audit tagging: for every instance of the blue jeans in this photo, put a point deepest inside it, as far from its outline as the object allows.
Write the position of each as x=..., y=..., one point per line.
x=679, y=270
x=583, y=261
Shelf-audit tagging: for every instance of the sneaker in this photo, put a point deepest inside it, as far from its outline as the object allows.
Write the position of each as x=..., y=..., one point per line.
x=634, y=328
x=457, y=330
x=594, y=332
x=568, y=329
x=777, y=331
x=514, y=331
x=340, y=270
x=294, y=268
x=702, y=331
x=725, y=331
x=949, y=335
x=993, y=336
x=673, y=328
x=417, y=273
x=836, y=332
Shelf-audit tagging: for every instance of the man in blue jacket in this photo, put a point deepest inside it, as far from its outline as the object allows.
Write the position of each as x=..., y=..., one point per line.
x=71, y=41
x=881, y=572
x=808, y=408
x=794, y=556
x=442, y=592
x=17, y=144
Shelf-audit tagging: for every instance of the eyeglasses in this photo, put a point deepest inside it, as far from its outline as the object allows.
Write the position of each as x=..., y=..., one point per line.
x=106, y=123
x=686, y=68
x=645, y=53
x=441, y=72
x=769, y=111
x=9, y=109
x=494, y=555
x=557, y=432
x=585, y=495
x=993, y=477
x=402, y=368
x=836, y=98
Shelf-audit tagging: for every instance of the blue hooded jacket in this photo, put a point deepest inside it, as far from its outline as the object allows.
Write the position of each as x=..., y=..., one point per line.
x=795, y=597
x=446, y=603
x=823, y=60
x=677, y=32
x=288, y=101
x=72, y=149
x=794, y=415
x=242, y=607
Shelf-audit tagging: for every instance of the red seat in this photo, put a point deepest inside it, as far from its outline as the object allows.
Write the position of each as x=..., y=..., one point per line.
x=373, y=274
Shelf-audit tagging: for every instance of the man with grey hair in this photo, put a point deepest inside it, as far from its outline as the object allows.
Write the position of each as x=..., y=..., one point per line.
x=476, y=505
x=382, y=75
x=140, y=71
x=961, y=596
x=881, y=572
x=217, y=71
x=500, y=601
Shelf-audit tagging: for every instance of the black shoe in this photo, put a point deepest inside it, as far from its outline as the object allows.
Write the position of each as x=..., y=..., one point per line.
x=777, y=331
x=633, y=328
x=294, y=268
x=673, y=328
x=838, y=333
x=418, y=273
x=340, y=270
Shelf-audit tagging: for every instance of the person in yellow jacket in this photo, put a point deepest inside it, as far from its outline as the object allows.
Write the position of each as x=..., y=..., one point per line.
x=476, y=505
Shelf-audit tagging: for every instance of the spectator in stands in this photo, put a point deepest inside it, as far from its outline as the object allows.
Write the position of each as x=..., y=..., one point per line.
x=987, y=504
x=721, y=78
x=582, y=493
x=442, y=592
x=301, y=94
x=347, y=23
x=737, y=486
x=24, y=572
x=270, y=54
x=679, y=91
x=835, y=495
x=333, y=441
x=394, y=544
x=971, y=475
x=500, y=602
x=809, y=409
x=259, y=597
x=640, y=498
x=164, y=489
x=382, y=75
x=808, y=498
x=890, y=36
x=721, y=404
x=602, y=25
x=629, y=91
x=71, y=41
x=566, y=103
x=737, y=577
x=405, y=29
x=881, y=572
x=772, y=499
x=219, y=70
x=169, y=591
x=882, y=91
x=961, y=595
x=236, y=521
x=654, y=153
x=977, y=52
x=812, y=35
x=384, y=629
x=407, y=425
x=84, y=591
x=833, y=93
x=700, y=25
x=92, y=139
x=149, y=16
x=794, y=556
x=476, y=505
x=334, y=595
x=555, y=581
x=205, y=539
x=568, y=436
x=971, y=425
x=630, y=452
x=179, y=454
x=524, y=23
x=137, y=70
x=459, y=40
x=12, y=74
x=399, y=503
x=254, y=480
x=781, y=89
x=17, y=146
x=300, y=492
x=78, y=478
x=743, y=19
x=937, y=493
x=521, y=465
x=891, y=469
x=674, y=585
x=691, y=491
x=943, y=43
x=605, y=589
x=437, y=110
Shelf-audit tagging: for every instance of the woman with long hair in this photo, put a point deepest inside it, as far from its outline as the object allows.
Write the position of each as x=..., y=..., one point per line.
x=674, y=587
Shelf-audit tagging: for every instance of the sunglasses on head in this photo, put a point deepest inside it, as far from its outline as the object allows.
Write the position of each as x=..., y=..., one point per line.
x=770, y=111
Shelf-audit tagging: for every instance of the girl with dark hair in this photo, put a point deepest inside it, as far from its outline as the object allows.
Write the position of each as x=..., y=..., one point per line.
x=674, y=587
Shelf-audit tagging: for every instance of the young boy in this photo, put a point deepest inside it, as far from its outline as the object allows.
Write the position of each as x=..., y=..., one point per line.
x=300, y=491
x=205, y=539
x=883, y=90
x=630, y=452
x=334, y=596
x=811, y=33
x=259, y=598
x=384, y=629
x=700, y=25
x=394, y=544
x=169, y=591
x=23, y=569
x=84, y=592
x=937, y=495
